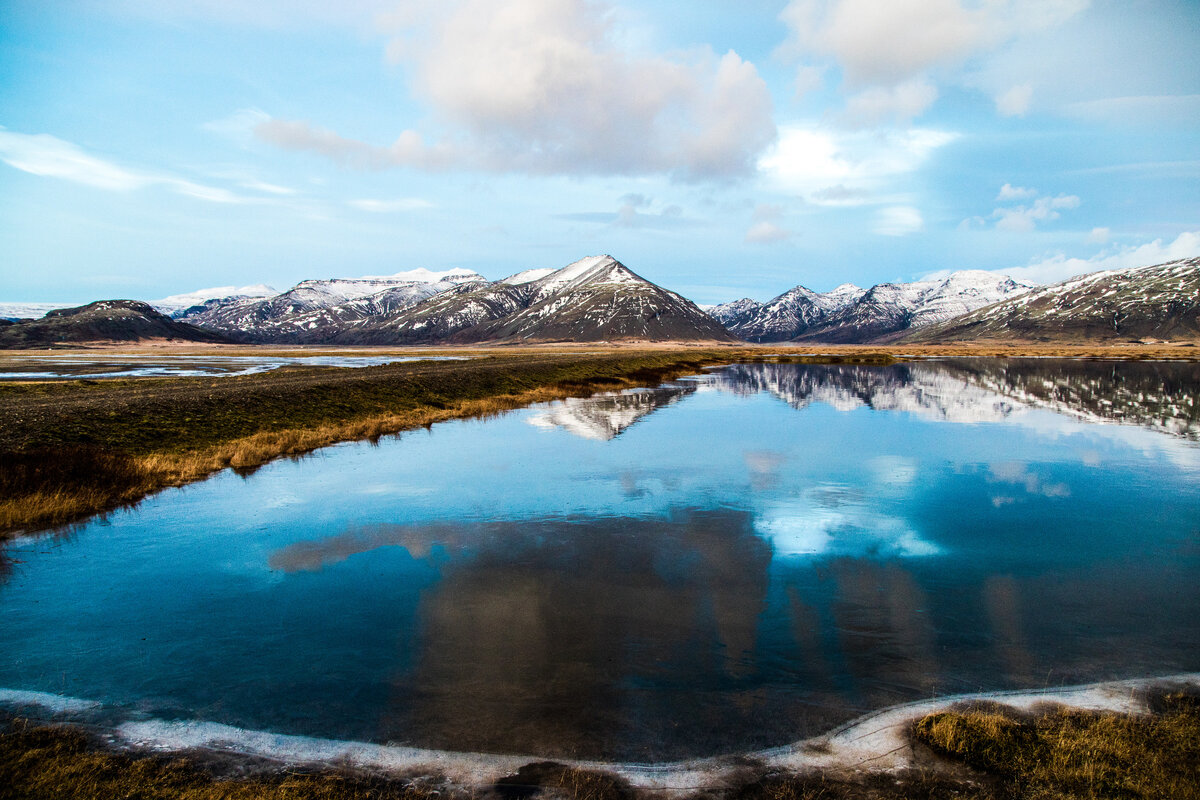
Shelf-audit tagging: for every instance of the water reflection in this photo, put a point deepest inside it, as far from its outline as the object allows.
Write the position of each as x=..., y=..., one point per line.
x=605, y=416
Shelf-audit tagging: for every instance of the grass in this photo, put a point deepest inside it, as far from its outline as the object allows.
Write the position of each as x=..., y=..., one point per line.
x=39, y=762
x=987, y=753
x=1077, y=754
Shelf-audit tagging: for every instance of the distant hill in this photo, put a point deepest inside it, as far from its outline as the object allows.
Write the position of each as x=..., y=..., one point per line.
x=594, y=299
x=104, y=320
x=1155, y=302
x=850, y=315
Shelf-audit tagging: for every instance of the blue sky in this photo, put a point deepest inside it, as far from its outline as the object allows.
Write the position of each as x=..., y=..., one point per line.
x=721, y=149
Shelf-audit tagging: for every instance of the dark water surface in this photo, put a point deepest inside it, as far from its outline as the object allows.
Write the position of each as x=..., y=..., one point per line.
x=719, y=564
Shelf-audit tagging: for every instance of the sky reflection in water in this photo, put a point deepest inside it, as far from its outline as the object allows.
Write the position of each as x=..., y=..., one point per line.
x=724, y=563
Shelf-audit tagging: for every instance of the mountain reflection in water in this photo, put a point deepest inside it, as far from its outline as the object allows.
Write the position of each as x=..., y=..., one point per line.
x=653, y=574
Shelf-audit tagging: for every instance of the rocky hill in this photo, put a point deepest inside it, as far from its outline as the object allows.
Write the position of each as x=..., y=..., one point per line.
x=1155, y=302
x=104, y=320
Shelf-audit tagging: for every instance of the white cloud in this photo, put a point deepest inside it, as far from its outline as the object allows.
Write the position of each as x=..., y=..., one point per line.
x=391, y=206
x=1008, y=192
x=560, y=95
x=840, y=195
x=898, y=221
x=1015, y=101
x=883, y=41
x=1059, y=267
x=1025, y=218
x=809, y=159
x=885, y=44
x=49, y=156
x=900, y=103
x=1099, y=235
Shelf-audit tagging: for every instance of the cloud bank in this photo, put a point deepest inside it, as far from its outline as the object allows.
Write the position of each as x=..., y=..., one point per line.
x=544, y=87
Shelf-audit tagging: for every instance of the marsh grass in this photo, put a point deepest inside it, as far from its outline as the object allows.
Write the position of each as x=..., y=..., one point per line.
x=1077, y=754
x=38, y=762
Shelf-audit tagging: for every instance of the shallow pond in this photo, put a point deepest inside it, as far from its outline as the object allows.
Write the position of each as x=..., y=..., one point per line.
x=128, y=365
x=719, y=564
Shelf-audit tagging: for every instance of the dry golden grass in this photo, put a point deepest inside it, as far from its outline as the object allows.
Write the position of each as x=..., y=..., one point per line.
x=1078, y=754
x=41, y=762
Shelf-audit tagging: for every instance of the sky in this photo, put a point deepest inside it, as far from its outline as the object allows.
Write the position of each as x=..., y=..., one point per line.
x=720, y=149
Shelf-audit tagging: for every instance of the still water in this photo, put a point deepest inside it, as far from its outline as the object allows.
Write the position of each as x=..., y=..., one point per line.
x=727, y=562
x=130, y=365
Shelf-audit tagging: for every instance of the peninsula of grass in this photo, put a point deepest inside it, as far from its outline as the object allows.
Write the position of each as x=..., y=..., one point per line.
x=71, y=449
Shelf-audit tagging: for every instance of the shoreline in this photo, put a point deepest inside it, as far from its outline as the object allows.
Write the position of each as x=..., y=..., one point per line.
x=873, y=743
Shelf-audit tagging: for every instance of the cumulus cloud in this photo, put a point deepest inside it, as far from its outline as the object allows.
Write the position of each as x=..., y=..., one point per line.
x=882, y=45
x=898, y=221
x=544, y=87
x=49, y=156
x=1059, y=267
x=1099, y=235
x=1008, y=192
x=1015, y=101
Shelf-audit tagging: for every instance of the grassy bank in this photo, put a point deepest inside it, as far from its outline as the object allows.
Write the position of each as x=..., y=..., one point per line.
x=75, y=448
x=990, y=753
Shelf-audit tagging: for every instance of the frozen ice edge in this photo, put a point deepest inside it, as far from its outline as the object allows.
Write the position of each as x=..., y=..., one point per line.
x=875, y=742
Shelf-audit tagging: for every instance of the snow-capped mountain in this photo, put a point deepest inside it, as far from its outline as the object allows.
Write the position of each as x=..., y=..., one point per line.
x=786, y=316
x=315, y=304
x=887, y=310
x=1160, y=301
x=594, y=299
x=849, y=314
x=180, y=305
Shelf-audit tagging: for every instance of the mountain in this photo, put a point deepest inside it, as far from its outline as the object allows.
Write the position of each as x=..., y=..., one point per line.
x=1160, y=302
x=850, y=315
x=594, y=299
x=105, y=320
x=785, y=317
x=887, y=310
x=180, y=305
x=321, y=304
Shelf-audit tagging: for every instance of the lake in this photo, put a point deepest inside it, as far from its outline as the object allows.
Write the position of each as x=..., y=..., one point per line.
x=726, y=562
